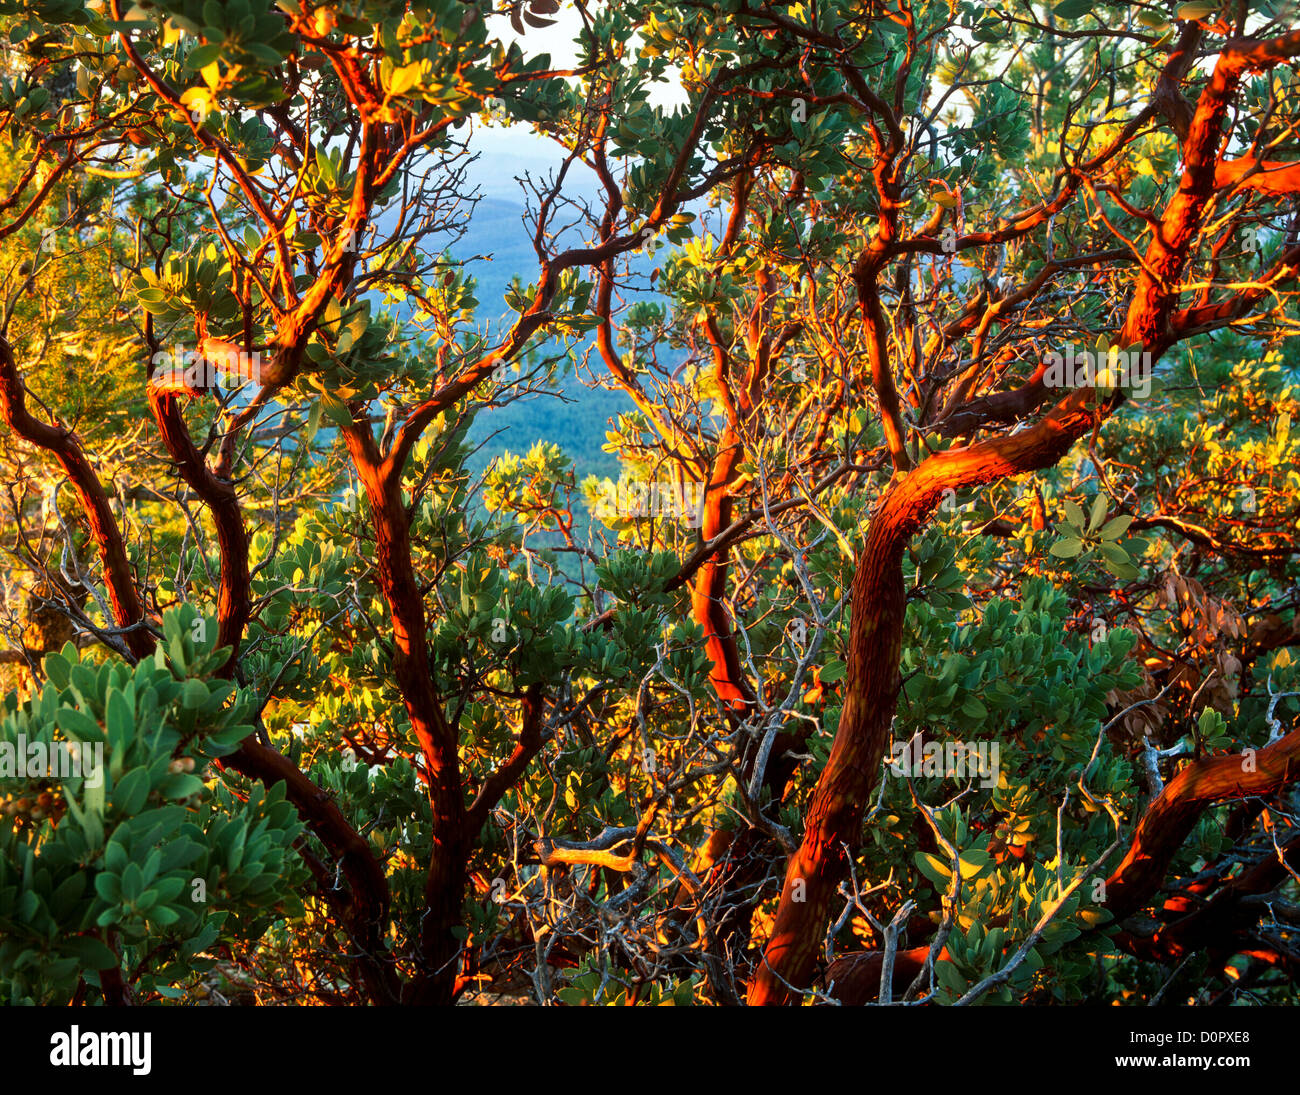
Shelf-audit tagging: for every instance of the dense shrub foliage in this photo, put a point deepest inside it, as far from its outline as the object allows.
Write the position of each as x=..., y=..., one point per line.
x=930, y=640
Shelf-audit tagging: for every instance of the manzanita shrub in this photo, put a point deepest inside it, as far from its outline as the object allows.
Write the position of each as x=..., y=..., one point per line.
x=832, y=538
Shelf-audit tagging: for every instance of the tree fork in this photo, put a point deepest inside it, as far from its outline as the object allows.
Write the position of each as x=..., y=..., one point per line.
x=835, y=814
x=233, y=591
x=445, y=880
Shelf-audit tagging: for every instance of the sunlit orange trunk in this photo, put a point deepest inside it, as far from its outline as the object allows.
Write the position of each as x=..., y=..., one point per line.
x=445, y=879
x=835, y=814
x=878, y=605
x=710, y=585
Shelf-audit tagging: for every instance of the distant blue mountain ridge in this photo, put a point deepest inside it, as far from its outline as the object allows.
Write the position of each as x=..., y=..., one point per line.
x=575, y=417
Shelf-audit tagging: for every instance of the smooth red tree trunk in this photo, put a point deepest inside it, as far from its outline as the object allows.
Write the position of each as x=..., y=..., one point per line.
x=444, y=889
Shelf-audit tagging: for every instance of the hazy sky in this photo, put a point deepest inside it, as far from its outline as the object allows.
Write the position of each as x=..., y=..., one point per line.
x=508, y=151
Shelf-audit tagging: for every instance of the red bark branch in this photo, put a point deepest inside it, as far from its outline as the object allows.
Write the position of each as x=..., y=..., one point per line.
x=367, y=913
x=128, y=612
x=1170, y=818
x=445, y=879
x=871, y=689
x=233, y=591
x=1264, y=176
